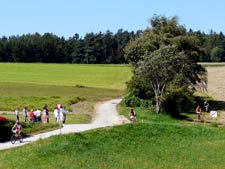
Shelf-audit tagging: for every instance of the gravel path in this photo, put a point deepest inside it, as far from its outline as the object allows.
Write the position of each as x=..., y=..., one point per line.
x=106, y=115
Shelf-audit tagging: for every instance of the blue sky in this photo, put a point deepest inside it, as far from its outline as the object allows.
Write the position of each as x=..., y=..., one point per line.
x=67, y=17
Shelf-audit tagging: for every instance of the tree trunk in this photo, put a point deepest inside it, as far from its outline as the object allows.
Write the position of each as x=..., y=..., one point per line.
x=158, y=104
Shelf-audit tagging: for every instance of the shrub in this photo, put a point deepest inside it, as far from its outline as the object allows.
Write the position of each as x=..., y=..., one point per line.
x=178, y=101
x=145, y=103
x=132, y=101
x=5, y=130
x=214, y=124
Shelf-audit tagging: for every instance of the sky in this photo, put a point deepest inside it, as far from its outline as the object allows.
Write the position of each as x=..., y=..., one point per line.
x=67, y=17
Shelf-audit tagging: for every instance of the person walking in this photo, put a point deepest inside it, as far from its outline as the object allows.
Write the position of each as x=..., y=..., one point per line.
x=198, y=111
x=64, y=112
x=206, y=105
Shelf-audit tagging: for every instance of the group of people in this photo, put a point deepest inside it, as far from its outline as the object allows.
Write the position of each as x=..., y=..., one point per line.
x=34, y=116
x=39, y=116
x=198, y=109
x=43, y=116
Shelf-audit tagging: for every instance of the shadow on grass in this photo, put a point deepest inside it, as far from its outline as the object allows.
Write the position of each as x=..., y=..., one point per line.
x=217, y=105
x=213, y=104
x=180, y=117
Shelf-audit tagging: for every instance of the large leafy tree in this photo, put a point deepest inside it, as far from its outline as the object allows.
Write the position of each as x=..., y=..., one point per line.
x=159, y=55
x=161, y=67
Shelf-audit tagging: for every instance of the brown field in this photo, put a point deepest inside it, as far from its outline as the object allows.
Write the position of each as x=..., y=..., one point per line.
x=216, y=82
x=216, y=89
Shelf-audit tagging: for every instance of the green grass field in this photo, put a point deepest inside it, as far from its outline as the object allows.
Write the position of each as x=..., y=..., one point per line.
x=129, y=146
x=96, y=76
x=34, y=85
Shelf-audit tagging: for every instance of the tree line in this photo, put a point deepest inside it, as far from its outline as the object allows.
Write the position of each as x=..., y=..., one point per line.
x=101, y=48
x=49, y=48
x=212, y=45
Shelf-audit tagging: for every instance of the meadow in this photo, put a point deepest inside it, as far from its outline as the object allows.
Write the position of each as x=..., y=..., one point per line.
x=95, y=76
x=34, y=85
x=156, y=141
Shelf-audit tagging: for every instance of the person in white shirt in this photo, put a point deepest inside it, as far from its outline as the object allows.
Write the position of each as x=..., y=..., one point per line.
x=56, y=113
x=37, y=114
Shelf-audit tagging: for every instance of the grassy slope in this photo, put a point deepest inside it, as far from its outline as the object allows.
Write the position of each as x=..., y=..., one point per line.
x=97, y=76
x=34, y=85
x=128, y=146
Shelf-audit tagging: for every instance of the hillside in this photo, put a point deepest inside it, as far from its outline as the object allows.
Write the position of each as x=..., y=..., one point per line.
x=128, y=146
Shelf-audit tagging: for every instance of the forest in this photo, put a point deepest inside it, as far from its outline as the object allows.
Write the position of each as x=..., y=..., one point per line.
x=94, y=48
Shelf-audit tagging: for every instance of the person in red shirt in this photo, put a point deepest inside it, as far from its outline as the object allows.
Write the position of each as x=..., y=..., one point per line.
x=32, y=117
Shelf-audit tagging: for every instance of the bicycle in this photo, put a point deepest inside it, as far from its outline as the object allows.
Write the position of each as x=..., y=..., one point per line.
x=133, y=119
x=16, y=137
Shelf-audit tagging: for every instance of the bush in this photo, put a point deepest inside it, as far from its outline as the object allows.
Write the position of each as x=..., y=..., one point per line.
x=178, y=101
x=214, y=124
x=74, y=100
x=145, y=103
x=5, y=130
x=132, y=101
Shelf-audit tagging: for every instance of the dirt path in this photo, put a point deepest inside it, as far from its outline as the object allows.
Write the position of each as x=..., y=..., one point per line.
x=106, y=115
